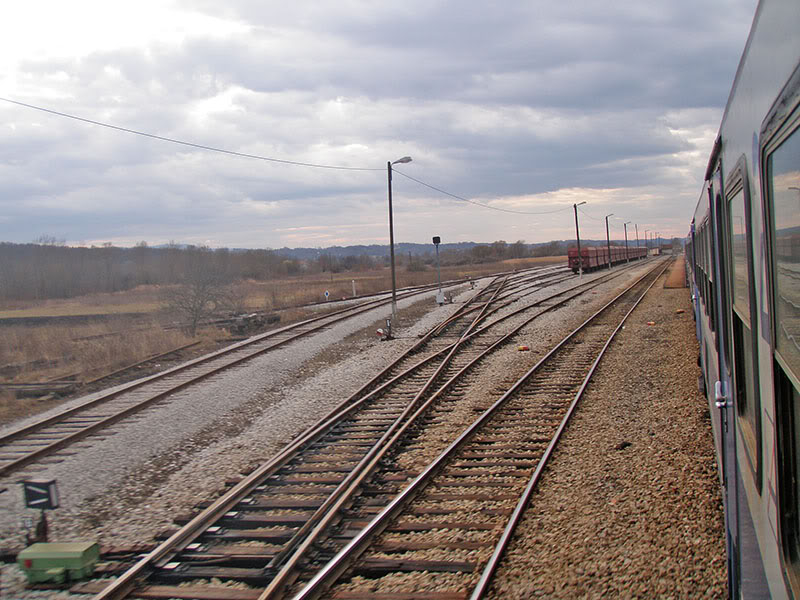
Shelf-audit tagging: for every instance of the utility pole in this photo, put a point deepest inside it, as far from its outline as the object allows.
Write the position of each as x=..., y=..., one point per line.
x=578, y=238
x=391, y=244
x=405, y=159
x=625, y=225
x=608, y=241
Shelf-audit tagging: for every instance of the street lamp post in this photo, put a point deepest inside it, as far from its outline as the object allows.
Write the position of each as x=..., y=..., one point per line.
x=646, y=245
x=578, y=238
x=637, y=235
x=405, y=159
x=608, y=241
x=625, y=225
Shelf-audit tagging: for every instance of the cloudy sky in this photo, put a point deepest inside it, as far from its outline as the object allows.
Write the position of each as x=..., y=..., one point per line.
x=523, y=106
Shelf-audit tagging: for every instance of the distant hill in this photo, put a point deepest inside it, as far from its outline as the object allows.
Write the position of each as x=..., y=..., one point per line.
x=370, y=250
x=377, y=250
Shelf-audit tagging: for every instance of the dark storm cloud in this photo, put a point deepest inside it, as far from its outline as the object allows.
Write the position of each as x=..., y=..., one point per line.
x=507, y=99
x=547, y=54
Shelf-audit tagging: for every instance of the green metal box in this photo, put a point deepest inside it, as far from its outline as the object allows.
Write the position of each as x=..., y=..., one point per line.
x=58, y=563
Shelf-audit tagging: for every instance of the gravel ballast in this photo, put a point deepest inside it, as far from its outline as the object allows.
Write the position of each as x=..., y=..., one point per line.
x=194, y=444
x=630, y=505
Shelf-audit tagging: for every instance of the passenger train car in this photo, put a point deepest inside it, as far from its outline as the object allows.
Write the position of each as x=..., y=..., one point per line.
x=743, y=255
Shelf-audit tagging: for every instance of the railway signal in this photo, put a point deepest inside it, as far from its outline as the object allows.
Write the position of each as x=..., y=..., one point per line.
x=439, y=295
x=41, y=494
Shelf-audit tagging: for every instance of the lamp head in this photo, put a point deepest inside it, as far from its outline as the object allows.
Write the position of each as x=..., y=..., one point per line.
x=405, y=159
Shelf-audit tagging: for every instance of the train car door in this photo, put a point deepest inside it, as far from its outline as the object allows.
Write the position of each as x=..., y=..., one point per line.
x=740, y=324
x=722, y=388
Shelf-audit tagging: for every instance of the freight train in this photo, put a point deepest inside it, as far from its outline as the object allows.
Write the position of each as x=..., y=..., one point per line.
x=597, y=257
x=743, y=256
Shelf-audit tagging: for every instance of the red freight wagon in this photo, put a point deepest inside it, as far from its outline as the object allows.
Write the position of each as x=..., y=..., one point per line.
x=595, y=257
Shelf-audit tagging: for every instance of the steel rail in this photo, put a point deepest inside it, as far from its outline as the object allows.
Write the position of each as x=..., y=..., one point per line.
x=144, y=381
x=541, y=282
x=491, y=567
x=69, y=439
x=123, y=585
x=603, y=278
x=339, y=563
x=380, y=450
x=103, y=423
x=188, y=533
x=587, y=285
x=325, y=514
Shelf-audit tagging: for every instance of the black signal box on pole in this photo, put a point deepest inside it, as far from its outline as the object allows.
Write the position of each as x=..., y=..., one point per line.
x=40, y=493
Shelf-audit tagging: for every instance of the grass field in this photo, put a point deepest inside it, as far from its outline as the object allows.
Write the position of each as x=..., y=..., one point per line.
x=279, y=293
x=38, y=353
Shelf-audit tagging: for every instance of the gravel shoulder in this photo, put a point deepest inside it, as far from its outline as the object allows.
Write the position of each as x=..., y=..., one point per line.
x=128, y=486
x=630, y=505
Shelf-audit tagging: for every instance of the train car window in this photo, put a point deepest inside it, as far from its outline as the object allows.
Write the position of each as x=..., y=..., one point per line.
x=782, y=181
x=712, y=290
x=706, y=284
x=788, y=413
x=705, y=268
x=698, y=262
x=784, y=191
x=740, y=279
x=709, y=272
x=744, y=376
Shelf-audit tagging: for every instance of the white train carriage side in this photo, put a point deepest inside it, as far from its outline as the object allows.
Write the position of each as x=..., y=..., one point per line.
x=744, y=261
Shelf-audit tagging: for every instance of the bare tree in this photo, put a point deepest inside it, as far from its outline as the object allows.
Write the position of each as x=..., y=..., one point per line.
x=202, y=293
x=234, y=298
x=49, y=240
x=518, y=249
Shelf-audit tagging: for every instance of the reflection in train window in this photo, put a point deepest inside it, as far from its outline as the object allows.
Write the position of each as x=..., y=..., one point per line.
x=788, y=406
x=747, y=401
x=783, y=178
x=784, y=182
x=741, y=279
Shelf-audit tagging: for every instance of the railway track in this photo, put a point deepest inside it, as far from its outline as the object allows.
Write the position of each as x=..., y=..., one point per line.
x=30, y=444
x=275, y=526
x=457, y=516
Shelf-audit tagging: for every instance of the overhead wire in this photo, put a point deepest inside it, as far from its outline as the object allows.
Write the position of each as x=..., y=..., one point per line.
x=270, y=159
x=585, y=214
x=190, y=144
x=457, y=197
